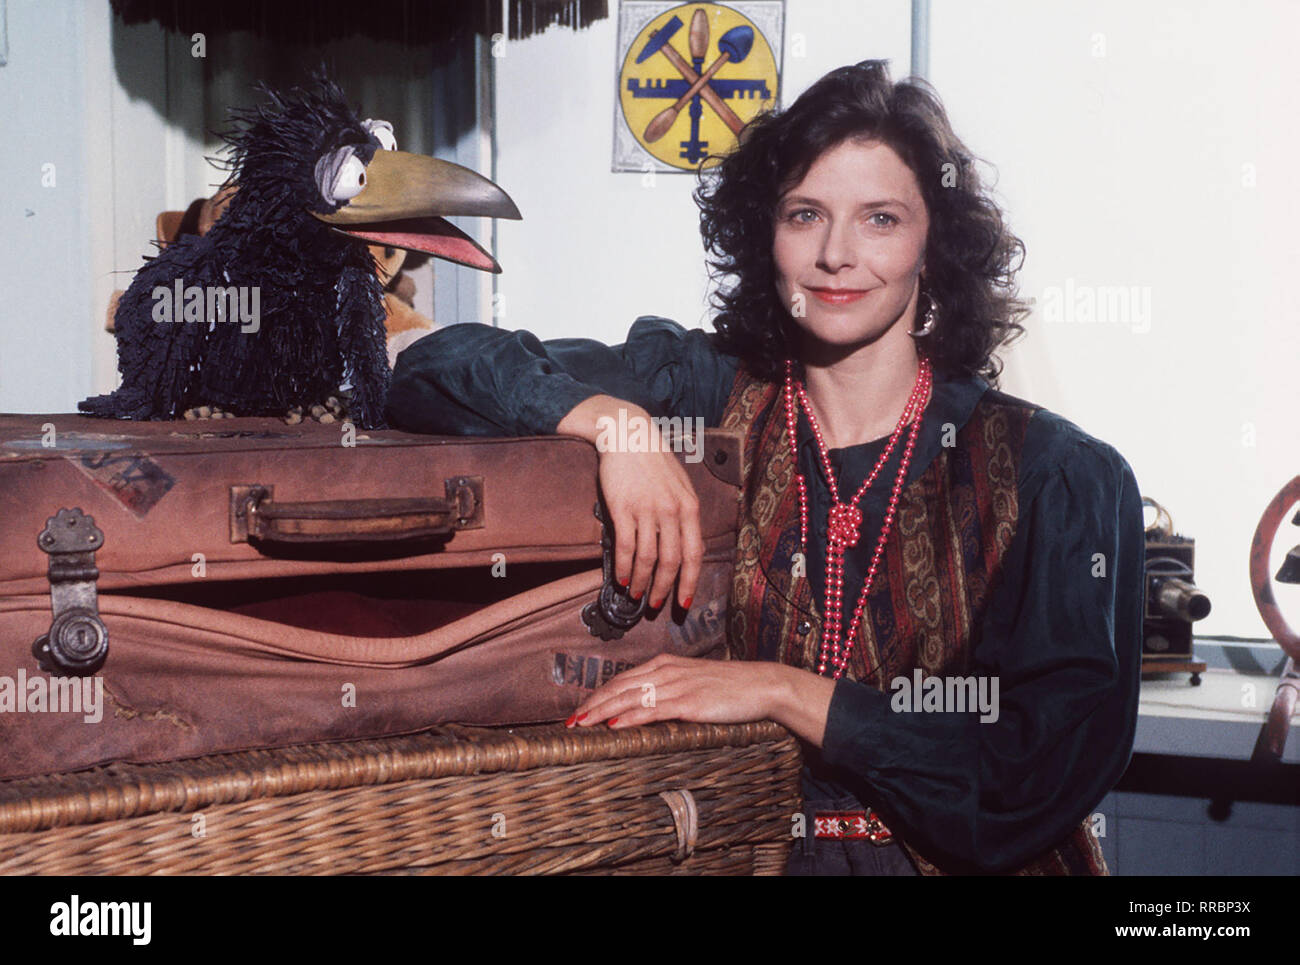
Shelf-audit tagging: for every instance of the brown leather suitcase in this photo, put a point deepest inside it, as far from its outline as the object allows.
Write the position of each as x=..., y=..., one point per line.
x=174, y=589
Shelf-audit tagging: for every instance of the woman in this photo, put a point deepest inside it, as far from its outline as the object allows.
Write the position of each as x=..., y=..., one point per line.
x=938, y=586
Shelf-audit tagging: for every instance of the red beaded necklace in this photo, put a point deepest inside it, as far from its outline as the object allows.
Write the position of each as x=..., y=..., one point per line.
x=845, y=518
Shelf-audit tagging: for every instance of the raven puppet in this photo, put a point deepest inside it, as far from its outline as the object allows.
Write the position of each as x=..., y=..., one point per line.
x=279, y=305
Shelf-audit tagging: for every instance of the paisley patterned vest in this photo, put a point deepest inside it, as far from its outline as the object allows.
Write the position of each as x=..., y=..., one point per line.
x=952, y=527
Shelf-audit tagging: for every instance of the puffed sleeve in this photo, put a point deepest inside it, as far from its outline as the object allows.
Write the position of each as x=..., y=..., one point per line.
x=474, y=379
x=1062, y=636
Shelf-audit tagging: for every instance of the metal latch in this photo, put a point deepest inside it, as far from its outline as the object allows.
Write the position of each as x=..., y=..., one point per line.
x=613, y=612
x=77, y=643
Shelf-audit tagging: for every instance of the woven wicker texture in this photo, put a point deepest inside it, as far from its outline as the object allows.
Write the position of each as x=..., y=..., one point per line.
x=454, y=800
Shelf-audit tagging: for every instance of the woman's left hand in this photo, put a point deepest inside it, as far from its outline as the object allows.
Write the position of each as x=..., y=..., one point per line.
x=668, y=687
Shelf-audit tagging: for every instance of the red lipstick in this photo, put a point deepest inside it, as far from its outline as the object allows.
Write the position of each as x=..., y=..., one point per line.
x=839, y=296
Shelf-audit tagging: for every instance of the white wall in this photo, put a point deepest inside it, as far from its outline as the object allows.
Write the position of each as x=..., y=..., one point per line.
x=1125, y=135
x=45, y=279
x=119, y=161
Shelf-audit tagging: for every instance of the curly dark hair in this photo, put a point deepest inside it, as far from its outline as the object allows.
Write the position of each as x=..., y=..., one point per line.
x=971, y=256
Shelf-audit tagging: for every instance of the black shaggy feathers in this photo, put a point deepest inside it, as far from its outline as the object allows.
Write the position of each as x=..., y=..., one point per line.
x=321, y=304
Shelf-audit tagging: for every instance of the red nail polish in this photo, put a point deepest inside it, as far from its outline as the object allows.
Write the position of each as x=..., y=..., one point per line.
x=569, y=722
x=624, y=582
x=657, y=604
x=581, y=717
x=637, y=596
x=612, y=721
x=686, y=604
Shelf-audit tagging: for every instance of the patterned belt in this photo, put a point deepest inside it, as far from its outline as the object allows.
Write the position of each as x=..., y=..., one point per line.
x=852, y=825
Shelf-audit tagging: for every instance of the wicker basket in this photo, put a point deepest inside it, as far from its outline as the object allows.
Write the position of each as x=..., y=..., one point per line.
x=669, y=798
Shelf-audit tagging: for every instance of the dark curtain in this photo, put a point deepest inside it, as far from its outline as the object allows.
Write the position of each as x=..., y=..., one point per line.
x=319, y=21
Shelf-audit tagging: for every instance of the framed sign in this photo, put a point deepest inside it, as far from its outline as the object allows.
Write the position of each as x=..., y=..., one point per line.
x=690, y=76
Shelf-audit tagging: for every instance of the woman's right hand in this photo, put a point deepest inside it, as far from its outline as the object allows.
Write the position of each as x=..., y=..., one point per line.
x=652, y=504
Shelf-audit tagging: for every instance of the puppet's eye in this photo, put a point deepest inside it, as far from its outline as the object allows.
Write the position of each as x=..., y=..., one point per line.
x=340, y=175
x=382, y=132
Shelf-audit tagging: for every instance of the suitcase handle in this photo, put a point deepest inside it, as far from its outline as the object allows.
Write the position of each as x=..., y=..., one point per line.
x=255, y=515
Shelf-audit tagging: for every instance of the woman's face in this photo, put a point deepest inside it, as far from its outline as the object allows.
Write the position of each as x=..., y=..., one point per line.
x=849, y=244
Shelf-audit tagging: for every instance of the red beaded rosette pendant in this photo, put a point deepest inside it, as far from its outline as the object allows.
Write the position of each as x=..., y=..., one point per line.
x=844, y=522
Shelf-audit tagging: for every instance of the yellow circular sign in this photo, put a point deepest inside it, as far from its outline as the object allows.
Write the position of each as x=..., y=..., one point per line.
x=692, y=78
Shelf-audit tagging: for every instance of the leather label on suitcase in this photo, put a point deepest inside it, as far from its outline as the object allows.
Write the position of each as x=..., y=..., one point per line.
x=132, y=478
x=584, y=671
